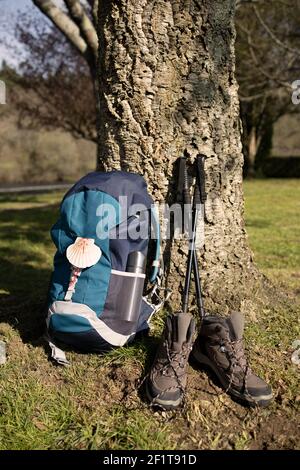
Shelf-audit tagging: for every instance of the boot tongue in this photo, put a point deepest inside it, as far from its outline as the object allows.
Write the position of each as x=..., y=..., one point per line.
x=236, y=325
x=180, y=326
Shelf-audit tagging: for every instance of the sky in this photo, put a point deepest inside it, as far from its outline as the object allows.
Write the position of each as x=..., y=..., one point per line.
x=8, y=16
x=9, y=10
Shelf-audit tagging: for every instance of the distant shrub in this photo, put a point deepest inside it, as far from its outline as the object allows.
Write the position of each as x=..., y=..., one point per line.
x=282, y=167
x=28, y=156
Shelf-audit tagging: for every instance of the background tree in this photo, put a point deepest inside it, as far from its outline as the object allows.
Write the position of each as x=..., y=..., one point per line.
x=268, y=55
x=76, y=20
x=57, y=79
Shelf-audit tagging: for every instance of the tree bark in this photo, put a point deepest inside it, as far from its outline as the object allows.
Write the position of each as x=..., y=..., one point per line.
x=167, y=88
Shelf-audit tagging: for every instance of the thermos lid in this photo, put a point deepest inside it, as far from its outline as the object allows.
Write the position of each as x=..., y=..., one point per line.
x=136, y=262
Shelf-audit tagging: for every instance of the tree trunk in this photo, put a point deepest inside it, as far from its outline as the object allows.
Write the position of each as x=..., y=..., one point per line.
x=253, y=144
x=167, y=88
x=264, y=146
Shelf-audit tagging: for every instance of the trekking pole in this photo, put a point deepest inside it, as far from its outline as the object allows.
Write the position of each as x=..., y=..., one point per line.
x=199, y=196
x=184, y=198
x=192, y=254
x=198, y=202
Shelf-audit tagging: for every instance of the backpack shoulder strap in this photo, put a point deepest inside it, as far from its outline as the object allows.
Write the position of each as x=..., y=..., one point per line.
x=157, y=261
x=157, y=294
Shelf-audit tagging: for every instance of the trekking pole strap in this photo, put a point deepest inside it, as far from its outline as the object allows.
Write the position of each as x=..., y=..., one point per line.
x=196, y=198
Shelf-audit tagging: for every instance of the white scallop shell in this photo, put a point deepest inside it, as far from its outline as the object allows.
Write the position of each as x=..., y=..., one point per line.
x=83, y=253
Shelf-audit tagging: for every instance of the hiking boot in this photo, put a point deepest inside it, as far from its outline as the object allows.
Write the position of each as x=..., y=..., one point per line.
x=166, y=383
x=220, y=347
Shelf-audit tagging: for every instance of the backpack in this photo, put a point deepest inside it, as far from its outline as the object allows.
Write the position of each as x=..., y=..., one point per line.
x=96, y=299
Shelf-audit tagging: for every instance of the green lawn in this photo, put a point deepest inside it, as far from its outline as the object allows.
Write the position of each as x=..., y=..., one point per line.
x=97, y=402
x=273, y=226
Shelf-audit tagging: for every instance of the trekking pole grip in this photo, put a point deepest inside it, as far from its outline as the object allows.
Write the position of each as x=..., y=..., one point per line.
x=201, y=178
x=186, y=188
x=181, y=182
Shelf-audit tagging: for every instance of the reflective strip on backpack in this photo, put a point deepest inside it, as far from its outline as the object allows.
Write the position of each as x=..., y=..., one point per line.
x=71, y=308
x=127, y=274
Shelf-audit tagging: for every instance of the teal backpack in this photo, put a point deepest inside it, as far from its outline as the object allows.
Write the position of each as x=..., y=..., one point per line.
x=101, y=267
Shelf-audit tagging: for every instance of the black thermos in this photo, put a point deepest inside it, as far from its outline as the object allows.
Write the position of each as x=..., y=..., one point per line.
x=136, y=264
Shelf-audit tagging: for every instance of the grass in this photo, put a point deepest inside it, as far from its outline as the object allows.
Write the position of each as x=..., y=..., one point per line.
x=273, y=226
x=98, y=402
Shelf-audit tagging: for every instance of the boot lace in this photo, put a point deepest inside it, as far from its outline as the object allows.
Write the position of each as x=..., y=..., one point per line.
x=176, y=363
x=239, y=367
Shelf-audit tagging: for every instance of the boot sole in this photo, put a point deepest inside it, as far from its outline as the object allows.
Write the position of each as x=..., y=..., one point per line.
x=165, y=404
x=261, y=400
